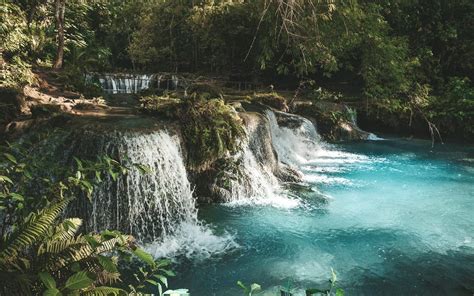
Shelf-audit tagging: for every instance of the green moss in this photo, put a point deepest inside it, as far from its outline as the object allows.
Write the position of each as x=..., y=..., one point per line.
x=211, y=130
x=271, y=99
x=327, y=121
x=162, y=106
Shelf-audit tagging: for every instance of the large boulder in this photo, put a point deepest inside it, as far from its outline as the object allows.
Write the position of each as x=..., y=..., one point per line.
x=334, y=121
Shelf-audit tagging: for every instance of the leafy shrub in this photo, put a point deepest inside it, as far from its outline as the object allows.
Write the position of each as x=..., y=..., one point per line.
x=321, y=94
x=453, y=111
x=73, y=78
x=16, y=74
x=211, y=129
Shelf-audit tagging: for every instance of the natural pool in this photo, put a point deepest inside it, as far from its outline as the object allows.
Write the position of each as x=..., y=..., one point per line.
x=399, y=221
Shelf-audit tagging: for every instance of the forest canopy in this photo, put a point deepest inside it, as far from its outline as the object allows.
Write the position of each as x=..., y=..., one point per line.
x=386, y=50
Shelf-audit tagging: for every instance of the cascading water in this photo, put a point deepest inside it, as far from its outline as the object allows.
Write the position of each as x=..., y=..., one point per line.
x=301, y=147
x=256, y=184
x=156, y=206
x=295, y=145
x=149, y=204
x=134, y=83
x=125, y=84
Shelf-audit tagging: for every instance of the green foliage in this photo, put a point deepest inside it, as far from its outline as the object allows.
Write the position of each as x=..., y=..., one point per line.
x=162, y=106
x=73, y=78
x=332, y=290
x=199, y=36
x=453, y=111
x=250, y=290
x=211, y=130
x=322, y=94
x=13, y=29
x=16, y=74
x=41, y=252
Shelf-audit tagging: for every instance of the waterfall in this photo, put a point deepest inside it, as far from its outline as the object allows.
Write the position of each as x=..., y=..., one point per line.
x=123, y=83
x=147, y=205
x=296, y=145
x=256, y=184
x=157, y=207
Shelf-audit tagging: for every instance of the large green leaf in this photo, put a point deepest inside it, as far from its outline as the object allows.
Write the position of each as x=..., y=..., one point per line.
x=52, y=292
x=47, y=280
x=10, y=157
x=79, y=280
x=5, y=179
x=107, y=263
x=144, y=256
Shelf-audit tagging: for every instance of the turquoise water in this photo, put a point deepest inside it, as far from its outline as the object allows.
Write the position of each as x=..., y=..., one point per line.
x=399, y=221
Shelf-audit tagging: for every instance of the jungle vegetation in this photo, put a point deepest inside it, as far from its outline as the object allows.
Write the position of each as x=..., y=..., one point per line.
x=398, y=61
x=397, y=57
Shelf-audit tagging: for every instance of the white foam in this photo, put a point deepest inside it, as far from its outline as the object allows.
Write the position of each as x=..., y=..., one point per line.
x=277, y=201
x=192, y=240
x=257, y=186
x=294, y=146
x=323, y=179
x=374, y=137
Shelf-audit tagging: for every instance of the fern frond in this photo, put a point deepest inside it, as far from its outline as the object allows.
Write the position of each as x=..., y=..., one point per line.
x=59, y=245
x=110, y=244
x=105, y=291
x=67, y=229
x=33, y=230
x=79, y=250
x=105, y=277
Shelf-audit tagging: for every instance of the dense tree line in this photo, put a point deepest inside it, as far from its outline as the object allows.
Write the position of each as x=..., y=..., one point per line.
x=390, y=49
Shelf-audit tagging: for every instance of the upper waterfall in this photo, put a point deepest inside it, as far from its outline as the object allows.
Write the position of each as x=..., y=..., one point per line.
x=133, y=83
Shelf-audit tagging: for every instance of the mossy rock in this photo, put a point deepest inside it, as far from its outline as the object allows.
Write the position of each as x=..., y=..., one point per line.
x=161, y=106
x=211, y=130
x=272, y=99
x=326, y=122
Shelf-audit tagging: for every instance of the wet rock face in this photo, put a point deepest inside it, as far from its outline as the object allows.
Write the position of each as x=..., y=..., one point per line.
x=245, y=173
x=288, y=120
x=334, y=121
x=260, y=139
x=288, y=174
x=261, y=143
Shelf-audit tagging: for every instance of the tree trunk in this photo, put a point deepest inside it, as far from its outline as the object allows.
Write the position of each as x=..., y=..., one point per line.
x=60, y=7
